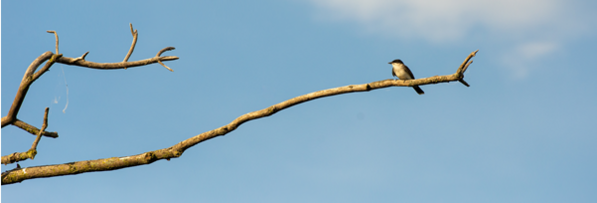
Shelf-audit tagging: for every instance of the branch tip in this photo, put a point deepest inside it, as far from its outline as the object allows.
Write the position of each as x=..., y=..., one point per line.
x=464, y=82
x=82, y=57
x=134, y=33
x=55, y=34
x=467, y=62
x=466, y=67
x=164, y=50
x=170, y=69
x=46, y=116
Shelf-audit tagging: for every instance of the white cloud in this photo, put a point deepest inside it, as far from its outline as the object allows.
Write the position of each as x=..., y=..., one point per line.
x=519, y=61
x=532, y=28
x=534, y=50
x=441, y=20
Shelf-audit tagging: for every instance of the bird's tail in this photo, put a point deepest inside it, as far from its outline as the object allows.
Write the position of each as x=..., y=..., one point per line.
x=418, y=89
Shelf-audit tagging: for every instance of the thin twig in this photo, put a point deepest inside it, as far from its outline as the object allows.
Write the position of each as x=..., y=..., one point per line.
x=33, y=130
x=462, y=68
x=464, y=82
x=82, y=57
x=466, y=67
x=55, y=34
x=43, y=127
x=134, y=33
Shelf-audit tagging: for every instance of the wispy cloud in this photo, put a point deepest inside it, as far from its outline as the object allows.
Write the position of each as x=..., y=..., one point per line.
x=449, y=20
x=534, y=28
x=519, y=60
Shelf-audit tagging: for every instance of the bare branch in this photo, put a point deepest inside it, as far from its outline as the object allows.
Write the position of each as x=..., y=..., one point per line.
x=134, y=33
x=33, y=130
x=114, y=163
x=106, y=66
x=55, y=34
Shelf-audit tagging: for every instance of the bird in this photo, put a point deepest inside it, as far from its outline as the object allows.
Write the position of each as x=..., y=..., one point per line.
x=403, y=73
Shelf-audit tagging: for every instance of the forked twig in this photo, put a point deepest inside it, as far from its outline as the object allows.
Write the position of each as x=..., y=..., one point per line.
x=29, y=154
x=158, y=55
x=464, y=66
x=135, y=34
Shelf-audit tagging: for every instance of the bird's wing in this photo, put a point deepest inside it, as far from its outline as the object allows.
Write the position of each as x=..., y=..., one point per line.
x=408, y=72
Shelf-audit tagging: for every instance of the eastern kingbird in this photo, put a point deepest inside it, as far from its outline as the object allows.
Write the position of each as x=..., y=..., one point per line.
x=403, y=73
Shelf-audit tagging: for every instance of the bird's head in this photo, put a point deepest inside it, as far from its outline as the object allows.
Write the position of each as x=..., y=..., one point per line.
x=396, y=61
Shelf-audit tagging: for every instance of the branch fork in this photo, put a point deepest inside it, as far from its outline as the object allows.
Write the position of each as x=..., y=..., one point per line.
x=29, y=154
x=467, y=62
x=135, y=34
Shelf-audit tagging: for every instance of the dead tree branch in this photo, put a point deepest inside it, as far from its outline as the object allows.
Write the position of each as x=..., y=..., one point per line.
x=108, y=66
x=114, y=163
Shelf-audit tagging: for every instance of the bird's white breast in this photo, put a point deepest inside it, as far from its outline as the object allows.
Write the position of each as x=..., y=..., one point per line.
x=400, y=71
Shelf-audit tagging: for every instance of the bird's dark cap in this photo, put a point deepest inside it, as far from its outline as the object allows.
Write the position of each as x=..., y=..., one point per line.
x=396, y=61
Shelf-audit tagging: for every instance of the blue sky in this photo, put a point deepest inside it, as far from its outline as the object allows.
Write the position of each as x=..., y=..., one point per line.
x=523, y=132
